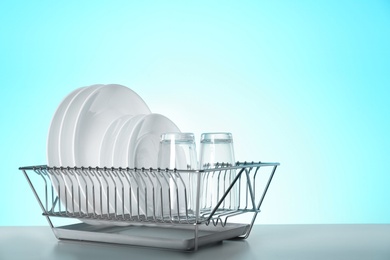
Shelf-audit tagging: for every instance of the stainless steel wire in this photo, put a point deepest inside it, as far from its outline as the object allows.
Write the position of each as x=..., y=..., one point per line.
x=150, y=195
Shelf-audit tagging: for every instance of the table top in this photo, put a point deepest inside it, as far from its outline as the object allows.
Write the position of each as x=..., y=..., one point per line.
x=342, y=241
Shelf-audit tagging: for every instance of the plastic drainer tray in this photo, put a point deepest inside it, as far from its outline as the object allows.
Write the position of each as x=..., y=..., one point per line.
x=168, y=237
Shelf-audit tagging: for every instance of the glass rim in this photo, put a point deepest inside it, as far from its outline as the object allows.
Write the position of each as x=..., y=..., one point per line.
x=177, y=136
x=220, y=136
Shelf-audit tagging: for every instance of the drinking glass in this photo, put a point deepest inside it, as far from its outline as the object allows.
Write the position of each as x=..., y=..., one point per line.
x=216, y=151
x=178, y=151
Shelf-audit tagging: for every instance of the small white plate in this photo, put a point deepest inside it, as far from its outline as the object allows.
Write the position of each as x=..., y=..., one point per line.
x=125, y=141
x=120, y=153
x=107, y=158
x=145, y=151
x=148, y=140
x=108, y=142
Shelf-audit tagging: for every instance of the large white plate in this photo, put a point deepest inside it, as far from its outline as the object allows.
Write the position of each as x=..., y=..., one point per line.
x=103, y=107
x=68, y=124
x=115, y=100
x=60, y=127
x=53, y=137
x=65, y=182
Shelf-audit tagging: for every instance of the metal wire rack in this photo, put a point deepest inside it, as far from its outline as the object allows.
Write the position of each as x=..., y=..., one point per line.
x=142, y=206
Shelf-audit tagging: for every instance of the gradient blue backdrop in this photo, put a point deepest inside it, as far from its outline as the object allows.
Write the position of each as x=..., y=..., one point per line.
x=305, y=83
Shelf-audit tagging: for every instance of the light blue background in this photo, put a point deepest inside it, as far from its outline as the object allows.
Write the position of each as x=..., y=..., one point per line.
x=305, y=83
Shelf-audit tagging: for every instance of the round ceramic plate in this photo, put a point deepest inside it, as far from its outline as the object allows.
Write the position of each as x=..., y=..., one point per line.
x=116, y=156
x=108, y=142
x=144, y=152
x=53, y=138
x=148, y=140
x=60, y=124
x=75, y=112
x=125, y=141
x=103, y=107
x=65, y=154
x=69, y=122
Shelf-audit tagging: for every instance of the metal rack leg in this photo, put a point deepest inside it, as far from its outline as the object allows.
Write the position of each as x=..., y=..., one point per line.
x=261, y=201
x=196, y=242
x=37, y=197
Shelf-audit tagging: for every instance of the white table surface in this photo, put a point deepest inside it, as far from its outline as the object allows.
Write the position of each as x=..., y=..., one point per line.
x=265, y=242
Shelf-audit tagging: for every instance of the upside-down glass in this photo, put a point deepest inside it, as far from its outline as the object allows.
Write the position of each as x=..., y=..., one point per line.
x=216, y=151
x=178, y=151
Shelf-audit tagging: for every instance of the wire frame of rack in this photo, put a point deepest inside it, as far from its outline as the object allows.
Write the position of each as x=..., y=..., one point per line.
x=189, y=199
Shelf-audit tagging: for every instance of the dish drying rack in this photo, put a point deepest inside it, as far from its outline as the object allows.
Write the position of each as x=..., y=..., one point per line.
x=151, y=207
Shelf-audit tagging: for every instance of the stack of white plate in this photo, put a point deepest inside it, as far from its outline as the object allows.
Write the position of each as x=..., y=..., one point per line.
x=105, y=126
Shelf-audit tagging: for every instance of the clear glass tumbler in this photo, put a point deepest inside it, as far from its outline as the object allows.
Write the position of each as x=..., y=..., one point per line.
x=216, y=151
x=178, y=151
